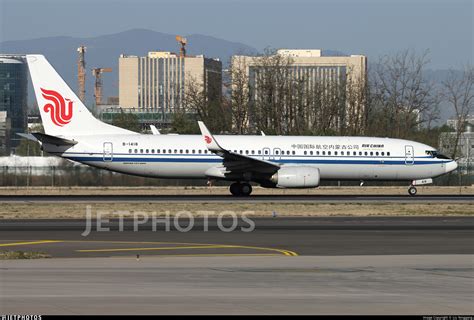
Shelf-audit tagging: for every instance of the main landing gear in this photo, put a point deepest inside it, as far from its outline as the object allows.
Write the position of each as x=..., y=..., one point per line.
x=240, y=189
x=412, y=191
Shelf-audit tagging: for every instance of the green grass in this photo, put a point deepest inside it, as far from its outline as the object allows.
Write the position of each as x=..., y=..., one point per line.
x=15, y=255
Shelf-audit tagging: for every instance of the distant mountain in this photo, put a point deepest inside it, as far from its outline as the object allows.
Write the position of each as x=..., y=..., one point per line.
x=104, y=51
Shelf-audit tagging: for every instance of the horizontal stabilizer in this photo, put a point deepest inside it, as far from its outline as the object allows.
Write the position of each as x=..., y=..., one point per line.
x=46, y=138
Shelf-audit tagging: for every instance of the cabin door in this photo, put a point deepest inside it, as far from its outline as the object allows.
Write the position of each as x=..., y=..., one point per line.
x=409, y=155
x=108, y=151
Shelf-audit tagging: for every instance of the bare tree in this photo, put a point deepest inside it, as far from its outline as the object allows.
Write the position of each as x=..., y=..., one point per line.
x=239, y=103
x=401, y=95
x=211, y=110
x=458, y=91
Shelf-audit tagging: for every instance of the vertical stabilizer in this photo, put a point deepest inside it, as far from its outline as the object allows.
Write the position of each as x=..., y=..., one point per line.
x=62, y=112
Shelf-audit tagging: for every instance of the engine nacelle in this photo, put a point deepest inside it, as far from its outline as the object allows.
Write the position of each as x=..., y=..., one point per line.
x=296, y=177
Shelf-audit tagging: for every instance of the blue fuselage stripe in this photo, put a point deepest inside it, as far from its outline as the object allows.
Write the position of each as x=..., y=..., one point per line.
x=219, y=160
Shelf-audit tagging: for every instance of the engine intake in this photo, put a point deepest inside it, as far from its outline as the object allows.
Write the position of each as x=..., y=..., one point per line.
x=296, y=177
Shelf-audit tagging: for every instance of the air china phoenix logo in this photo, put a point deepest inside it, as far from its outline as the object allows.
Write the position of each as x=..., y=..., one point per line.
x=208, y=139
x=61, y=114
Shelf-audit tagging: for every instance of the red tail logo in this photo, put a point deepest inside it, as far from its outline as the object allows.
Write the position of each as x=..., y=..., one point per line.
x=208, y=139
x=60, y=113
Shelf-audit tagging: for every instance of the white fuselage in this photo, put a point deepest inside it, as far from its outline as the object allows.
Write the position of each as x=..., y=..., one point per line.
x=186, y=156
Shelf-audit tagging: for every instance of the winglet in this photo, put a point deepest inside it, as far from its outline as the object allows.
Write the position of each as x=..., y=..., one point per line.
x=154, y=130
x=211, y=143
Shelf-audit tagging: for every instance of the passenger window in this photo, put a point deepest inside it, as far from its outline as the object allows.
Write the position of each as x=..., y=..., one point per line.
x=354, y=153
x=371, y=153
x=360, y=153
x=376, y=153
x=342, y=153
x=365, y=153
x=293, y=152
x=175, y=151
x=141, y=150
x=266, y=151
x=169, y=151
x=335, y=153
x=129, y=150
x=253, y=151
x=305, y=152
x=329, y=153
x=147, y=150
x=187, y=151
x=259, y=151
x=276, y=151
x=383, y=153
x=246, y=152
x=388, y=153
x=311, y=152
x=136, y=150
x=164, y=150
x=317, y=152
x=181, y=151
x=324, y=153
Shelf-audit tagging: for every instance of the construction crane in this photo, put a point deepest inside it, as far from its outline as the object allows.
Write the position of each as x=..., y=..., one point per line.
x=81, y=72
x=97, y=73
x=182, y=50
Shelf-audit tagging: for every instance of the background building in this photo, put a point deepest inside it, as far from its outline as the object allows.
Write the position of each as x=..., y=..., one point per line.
x=14, y=95
x=311, y=68
x=4, y=133
x=464, y=147
x=453, y=123
x=155, y=86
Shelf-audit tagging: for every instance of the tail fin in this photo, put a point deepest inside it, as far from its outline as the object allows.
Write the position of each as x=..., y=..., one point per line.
x=62, y=113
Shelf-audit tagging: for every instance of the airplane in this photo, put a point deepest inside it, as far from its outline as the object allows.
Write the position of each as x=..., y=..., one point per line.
x=72, y=132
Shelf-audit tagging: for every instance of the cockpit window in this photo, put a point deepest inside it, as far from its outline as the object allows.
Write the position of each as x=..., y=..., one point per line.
x=436, y=154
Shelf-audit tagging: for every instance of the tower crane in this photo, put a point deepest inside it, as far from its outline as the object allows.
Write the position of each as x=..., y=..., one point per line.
x=81, y=72
x=182, y=50
x=97, y=73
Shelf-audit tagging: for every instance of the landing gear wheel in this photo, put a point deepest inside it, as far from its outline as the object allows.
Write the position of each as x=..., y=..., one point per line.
x=235, y=189
x=412, y=191
x=245, y=189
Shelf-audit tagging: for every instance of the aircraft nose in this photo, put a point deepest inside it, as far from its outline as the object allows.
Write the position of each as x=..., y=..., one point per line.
x=451, y=166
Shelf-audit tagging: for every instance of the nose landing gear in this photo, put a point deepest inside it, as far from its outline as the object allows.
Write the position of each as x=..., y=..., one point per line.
x=240, y=189
x=420, y=182
x=412, y=191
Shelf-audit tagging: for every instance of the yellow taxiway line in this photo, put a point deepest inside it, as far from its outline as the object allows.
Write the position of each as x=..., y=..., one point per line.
x=12, y=244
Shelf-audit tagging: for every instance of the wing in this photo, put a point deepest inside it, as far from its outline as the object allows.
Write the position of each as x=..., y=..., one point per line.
x=235, y=164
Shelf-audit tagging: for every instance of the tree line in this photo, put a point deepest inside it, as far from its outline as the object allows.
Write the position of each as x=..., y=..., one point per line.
x=396, y=99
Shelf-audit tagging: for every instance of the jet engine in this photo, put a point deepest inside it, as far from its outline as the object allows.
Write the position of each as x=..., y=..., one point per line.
x=296, y=177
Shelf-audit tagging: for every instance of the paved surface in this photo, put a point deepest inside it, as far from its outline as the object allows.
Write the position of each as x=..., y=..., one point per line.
x=422, y=284
x=272, y=236
x=228, y=198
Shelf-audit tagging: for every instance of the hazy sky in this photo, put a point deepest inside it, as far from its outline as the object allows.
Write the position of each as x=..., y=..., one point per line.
x=370, y=27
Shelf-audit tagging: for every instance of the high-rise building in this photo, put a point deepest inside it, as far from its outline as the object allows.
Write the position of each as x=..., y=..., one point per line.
x=311, y=67
x=158, y=82
x=4, y=133
x=14, y=94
